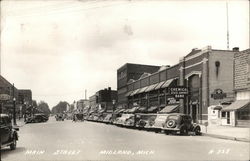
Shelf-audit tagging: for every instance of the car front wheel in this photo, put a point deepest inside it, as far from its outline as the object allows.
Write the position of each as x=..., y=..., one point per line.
x=183, y=131
x=197, y=131
x=13, y=144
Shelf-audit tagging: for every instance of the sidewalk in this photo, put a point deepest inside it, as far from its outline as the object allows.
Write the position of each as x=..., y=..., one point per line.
x=227, y=132
x=20, y=122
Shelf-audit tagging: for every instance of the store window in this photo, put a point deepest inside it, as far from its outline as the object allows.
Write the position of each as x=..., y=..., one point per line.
x=243, y=115
x=223, y=114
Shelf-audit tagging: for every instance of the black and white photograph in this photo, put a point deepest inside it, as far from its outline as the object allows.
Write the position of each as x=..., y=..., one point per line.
x=125, y=80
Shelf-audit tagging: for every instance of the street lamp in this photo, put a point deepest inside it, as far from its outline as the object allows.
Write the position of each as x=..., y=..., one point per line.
x=14, y=111
x=113, y=102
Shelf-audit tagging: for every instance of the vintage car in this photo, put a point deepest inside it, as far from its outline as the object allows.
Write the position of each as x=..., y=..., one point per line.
x=158, y=122
x=78, y=117
x=9, y=135
x=130, y=121
x=180, y=123
x=121, y=120
x=60, y=117
x=145, y=120
x=36, y=118
x=107, y=119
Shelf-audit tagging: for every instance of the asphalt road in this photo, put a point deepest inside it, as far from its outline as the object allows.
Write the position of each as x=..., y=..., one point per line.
x=67, y=140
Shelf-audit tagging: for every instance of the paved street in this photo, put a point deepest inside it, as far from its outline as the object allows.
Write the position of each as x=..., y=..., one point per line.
x=66, y=140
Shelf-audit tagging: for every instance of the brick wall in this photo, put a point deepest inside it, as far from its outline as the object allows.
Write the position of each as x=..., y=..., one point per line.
x=221, y=77
x=242, y=69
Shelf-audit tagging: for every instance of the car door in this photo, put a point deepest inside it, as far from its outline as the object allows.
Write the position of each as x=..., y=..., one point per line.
x=5, y=129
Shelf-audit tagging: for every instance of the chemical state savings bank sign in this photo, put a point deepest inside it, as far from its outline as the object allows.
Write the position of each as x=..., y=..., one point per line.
x=178, y=92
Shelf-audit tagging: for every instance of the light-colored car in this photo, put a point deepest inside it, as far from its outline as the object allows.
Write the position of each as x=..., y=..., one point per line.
x=108, y=118
x=145, y=120
x=121, y=120
x=159, y=122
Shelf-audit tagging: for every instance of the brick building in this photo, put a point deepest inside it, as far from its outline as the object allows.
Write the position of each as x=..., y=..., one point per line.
x=207, y=73
x=130, y=72
x=238, y=113
x=7, y=88
x=82, y=104
x=104, y=99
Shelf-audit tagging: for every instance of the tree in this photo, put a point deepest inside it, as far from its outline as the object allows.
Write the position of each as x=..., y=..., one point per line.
x=43, y=107
x=60, y=107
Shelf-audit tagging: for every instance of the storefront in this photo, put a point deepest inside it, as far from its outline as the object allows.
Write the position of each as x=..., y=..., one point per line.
x=236, y=114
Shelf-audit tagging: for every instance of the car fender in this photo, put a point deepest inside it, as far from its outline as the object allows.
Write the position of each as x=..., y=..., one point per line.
x=195, y=126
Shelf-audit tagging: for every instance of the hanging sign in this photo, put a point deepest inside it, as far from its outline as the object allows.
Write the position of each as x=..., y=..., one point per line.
x=218, y=94
x=4, y=97
x=178, y=92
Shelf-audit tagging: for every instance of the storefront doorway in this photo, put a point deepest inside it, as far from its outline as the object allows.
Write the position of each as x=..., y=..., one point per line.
x=194, y=113
x=228, y=117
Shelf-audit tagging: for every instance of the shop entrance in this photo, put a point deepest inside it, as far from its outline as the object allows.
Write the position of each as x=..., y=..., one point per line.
x=194, y=113
x=228, y=117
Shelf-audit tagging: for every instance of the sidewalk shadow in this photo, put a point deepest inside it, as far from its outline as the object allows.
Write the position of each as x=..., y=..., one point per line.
x=6, y=151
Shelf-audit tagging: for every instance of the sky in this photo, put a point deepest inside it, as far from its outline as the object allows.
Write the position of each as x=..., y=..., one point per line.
x=59, y=49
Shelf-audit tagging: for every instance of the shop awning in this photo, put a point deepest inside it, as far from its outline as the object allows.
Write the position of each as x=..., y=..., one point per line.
x=134, y=92
x=153, y=109
x=159, y=85
x=142, y=90
x=128, y=93
x=167, y=83
x=237, y=105
x=151, y=87
x=169, y=109
x=216, y=107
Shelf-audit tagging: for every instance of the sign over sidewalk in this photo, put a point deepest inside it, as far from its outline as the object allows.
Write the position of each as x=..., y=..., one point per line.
x=4, y=97
x=178, y=92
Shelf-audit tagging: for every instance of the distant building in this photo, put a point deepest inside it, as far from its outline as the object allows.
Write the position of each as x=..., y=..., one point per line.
x=130, y=72
x=7, y=88
x=104, y=99
x=25, y=96
x=238, y=113
x=81, y=104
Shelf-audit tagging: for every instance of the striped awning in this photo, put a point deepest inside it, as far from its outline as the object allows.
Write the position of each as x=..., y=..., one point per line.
x=134, y=92
x=159, y=85
x=151, y=87
x=142, y=90
x=167, y=83
x=128, y=93
x=169, y=109
x=239, y=104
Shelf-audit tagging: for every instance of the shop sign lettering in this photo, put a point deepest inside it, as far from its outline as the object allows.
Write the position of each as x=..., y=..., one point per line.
x=178, y=92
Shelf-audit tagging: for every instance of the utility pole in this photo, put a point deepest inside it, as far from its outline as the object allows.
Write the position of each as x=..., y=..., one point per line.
x=227, y=28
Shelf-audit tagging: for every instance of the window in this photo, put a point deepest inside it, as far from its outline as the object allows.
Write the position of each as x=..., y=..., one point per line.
x=243, y=115
x=223, y=114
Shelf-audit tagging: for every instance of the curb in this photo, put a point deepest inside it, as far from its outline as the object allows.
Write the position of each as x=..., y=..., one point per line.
x=226, y=137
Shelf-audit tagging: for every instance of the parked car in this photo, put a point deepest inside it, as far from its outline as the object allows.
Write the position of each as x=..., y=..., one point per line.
x=145, y=120
x=108, y=118
x=158, y=122
x=180, y=123
x=78, y=117
x=9, y=135
x=40, y=117
x=121, y=120
x=60, y=117
x=130, y=121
